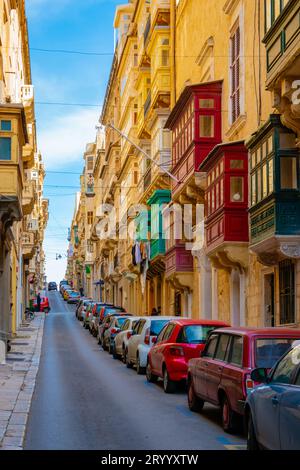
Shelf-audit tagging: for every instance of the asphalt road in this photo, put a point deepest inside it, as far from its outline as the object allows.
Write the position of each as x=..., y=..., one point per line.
x=84, y=399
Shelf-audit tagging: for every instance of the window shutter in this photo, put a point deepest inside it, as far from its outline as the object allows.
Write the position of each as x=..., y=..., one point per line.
x=235, y=75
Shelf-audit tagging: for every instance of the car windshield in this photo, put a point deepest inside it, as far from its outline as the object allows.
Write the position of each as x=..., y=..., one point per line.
x=120, y=321
x=269, y=350
x=157, y=326
x=194, y=334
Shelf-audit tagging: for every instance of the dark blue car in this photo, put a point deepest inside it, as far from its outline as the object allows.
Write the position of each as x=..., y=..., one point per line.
x=273, y=408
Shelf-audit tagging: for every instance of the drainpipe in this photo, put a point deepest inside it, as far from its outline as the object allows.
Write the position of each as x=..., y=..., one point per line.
x=173, y=51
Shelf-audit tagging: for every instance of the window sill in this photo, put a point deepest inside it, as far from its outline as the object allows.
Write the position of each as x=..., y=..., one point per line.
x=236, y=126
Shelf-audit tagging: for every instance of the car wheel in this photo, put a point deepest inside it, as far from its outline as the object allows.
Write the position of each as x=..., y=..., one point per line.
x=127, y=361
x=195, y=403
x=169, y=385
x=139, y=369
x=150, y=377
x=252, y=443
x=229, y=417
x=114, y=352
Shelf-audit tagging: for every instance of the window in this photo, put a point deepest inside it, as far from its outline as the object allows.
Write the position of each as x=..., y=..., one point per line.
x=90, y=163
x=273, y=9
x=165, y=58
x=253, y=189
x=168, y=332
x=194, y=334
x=288, y=173
x=236, y=189
x=235, y=74
x=222, y=347
x=236, y=357
x=287, y=291
x=236, y=164
x=269, y=350
x=90, y=218
x=161, y=334
x=140, y=327
x=5, y=126
x=285, y=369
x=211, y=346
x=206, y=103
x=156, y=326
x=5, y=148
x=207, y=126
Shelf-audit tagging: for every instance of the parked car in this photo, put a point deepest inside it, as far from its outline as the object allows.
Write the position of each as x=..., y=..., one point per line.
x=222, y=375
x=106, y=322
x=94, y=317
x=86, y=313
x=122, y=338
x=142, y=339
x=273, y=409
x=81, y=310
x=74, y=297
x=106, y=310
x=67, y=292
x=112, y=331
x=45, y=306
x=62, y=284
x=52, y=286
x=178, y=342
x=64, y=288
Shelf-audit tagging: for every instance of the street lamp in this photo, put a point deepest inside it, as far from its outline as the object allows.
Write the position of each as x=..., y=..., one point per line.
x=141, y=150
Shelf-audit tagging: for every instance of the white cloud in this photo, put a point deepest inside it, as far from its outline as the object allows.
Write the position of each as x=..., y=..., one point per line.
x=64, y=140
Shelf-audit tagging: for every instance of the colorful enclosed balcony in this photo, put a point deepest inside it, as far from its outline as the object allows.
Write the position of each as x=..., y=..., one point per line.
x=159, y=199
x=275, y=193
x=195, y=122
x=226, y=204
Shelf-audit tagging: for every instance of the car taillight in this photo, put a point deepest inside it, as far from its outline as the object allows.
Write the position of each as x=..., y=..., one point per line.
x=249, y=384
x=147, y=336
x=176, y=351
x=114, y=331
x=129, y=334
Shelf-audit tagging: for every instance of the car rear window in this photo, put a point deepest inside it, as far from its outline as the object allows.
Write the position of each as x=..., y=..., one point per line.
x=156, y=326
x=269, y=350
x=194, y=334
x=120, y=321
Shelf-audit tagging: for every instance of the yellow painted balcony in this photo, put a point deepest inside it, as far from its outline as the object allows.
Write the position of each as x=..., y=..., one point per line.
x=28, y=245
x=160, y=90
x=28, y=198
x=159, y=11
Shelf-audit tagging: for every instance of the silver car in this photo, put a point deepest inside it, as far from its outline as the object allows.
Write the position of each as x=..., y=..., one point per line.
x=112, y=331
x=122, y=338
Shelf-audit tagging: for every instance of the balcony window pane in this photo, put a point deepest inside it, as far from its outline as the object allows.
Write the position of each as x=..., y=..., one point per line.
x=268, y=14
x=5, y=148
x=264, y=181
x=277, y=8
x=222, y=191
x=258, y=187
x=5, y=125
x=271, y=178
x=208, y=202
x=236, y=189
x=213, y=199
x=217, y=195
x=253, y=189
x=207, y=124
x=165, y=58
x=264, y=150
x=287, y=141
x=270, y=144
x=288, y=172
x=217, y=171
x=236, y=164
x=221, y=167
x=206, y=103
x=253, y=160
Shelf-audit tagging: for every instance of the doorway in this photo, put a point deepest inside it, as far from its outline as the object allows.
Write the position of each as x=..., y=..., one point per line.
x=269, y=303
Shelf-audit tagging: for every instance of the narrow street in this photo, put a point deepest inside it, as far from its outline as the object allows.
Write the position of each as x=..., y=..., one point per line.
x=86, y=400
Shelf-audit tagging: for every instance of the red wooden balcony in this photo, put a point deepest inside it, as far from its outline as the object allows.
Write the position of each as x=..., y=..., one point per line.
x=195, y=122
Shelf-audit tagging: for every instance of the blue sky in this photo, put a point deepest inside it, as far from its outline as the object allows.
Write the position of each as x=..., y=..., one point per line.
x=63, y=131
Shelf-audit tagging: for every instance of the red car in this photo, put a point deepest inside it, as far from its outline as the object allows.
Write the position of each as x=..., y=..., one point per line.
x=222, y=375
x=45, y=307
x=179, y=341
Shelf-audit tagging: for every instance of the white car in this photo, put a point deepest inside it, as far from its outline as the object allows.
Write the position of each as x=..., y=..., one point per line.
x=142, y=339
x=122, y=338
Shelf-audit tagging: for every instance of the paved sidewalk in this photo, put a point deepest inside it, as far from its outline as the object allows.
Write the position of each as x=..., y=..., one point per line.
x=17, y=382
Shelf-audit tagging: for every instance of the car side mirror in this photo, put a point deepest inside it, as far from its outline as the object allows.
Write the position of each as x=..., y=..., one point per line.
x=259, y=375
